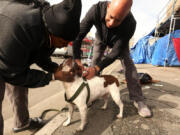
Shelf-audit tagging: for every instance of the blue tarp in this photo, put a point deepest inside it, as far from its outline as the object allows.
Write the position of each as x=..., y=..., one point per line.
x=155, y=54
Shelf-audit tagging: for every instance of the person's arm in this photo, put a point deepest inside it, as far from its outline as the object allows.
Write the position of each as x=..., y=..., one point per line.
x=85, y=26
x=15, y=52
x=30, y=78
x=48, y=65
x=33, y=78
x=117, y=49
x=113, y=55
x=44, y=60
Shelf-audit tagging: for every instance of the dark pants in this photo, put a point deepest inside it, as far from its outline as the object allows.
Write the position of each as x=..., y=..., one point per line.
x=135, y=91
x=19, y=99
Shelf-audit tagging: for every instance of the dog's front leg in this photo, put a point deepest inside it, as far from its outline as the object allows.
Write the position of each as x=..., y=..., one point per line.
x=70, y=112
x=83, y=114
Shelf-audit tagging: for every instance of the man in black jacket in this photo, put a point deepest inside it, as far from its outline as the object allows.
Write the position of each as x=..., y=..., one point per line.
x=115, y=26
x=30, y=30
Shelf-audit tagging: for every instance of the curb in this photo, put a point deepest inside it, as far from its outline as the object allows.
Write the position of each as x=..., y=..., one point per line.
x=37, y=110
x=50, y=127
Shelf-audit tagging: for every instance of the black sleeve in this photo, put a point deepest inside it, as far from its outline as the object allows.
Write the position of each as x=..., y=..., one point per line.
x=116, y=51
x=85, y=26
x=48, y=65
x=44, y=60
x=15, y=50
x=31, y=78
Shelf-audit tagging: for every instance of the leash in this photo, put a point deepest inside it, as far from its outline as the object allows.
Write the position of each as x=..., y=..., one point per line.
x=78, y=91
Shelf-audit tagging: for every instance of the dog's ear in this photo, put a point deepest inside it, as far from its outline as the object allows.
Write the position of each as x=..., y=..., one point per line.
x=75, y=65
x=72, y=72
x=60, y=66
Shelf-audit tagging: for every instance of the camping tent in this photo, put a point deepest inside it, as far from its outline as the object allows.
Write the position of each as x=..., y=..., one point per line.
x=159, y=52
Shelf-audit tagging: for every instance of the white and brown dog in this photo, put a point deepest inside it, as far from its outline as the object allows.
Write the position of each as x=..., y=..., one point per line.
x=99, y=87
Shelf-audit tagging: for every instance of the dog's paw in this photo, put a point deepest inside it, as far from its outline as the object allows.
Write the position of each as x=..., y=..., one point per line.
x=119, y=116
x=79, y=129
x=104, y=107
x=66, y=123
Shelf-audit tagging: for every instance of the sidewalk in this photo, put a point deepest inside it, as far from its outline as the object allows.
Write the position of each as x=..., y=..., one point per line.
x=162, y=97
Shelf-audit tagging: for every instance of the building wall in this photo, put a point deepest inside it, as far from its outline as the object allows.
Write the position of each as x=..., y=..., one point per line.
x=170, y=8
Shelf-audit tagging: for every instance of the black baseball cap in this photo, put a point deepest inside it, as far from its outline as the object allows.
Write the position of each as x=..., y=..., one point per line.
x=63, y=19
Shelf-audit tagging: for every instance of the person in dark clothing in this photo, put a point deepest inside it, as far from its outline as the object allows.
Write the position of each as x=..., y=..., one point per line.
x=30, y=30
x=115, y=26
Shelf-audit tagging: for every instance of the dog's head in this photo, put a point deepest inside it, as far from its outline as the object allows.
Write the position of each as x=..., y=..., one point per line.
x=70, y=65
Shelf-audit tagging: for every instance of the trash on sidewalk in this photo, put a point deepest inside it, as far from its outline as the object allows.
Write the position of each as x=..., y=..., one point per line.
x=159, y=85
x=144, y=78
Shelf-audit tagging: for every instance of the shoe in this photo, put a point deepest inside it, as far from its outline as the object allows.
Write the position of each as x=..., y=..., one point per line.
x=33, y=123
x=143, y=110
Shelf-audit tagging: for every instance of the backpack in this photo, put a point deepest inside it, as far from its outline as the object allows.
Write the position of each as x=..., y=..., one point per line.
x=144, y=78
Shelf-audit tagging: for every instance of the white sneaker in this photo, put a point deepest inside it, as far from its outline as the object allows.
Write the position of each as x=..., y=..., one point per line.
x=143, y=110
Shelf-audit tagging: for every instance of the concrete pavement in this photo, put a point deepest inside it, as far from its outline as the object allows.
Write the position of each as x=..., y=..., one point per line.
x=40, y=99
x=163, y=98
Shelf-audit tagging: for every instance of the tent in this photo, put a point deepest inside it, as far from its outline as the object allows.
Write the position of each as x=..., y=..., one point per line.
x=159, y=52
x=141, y=52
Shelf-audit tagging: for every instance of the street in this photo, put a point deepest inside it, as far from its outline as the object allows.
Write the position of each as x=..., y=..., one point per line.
x=162, y=97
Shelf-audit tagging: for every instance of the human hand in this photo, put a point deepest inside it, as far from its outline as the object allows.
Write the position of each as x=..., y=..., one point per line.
x=90, y=72
x=64, y=76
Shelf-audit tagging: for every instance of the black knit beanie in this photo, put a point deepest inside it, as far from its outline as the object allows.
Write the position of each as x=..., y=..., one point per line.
x=63, y=19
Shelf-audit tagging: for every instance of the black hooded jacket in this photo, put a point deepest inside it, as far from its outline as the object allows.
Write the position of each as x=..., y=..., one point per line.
x=23, y=41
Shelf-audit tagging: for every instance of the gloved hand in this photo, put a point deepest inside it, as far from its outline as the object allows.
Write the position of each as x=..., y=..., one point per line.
x=64, y=76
